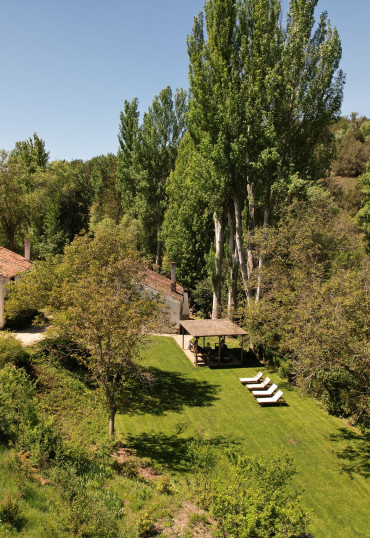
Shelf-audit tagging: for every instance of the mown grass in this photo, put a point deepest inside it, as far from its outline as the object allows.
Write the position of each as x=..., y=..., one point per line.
x=330, y=458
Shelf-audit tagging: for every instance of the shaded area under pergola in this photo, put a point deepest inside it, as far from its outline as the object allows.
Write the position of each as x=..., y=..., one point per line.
x=211, y=327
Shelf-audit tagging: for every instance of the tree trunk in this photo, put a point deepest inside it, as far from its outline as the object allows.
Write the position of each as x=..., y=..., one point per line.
x=251, y=228
x=159, y=247
x=239, y=246
x=112, y=416
x=217, y=275
x=234, y=265
x=261, y=260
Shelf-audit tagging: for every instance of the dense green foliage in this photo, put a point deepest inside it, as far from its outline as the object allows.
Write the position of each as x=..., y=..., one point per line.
x=246, y=495
x=352, y=136
x=11, y=351
x=262, y=98
x=363, y=215
x=313, y=313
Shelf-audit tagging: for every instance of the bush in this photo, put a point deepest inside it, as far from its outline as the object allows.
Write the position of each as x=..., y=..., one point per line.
x=146, y=526
x=21, y=420
x=42, y=441
x=22, y=320
x=253, y=500
x=11, y=351
x=90, y=513
x=10, y=513
x=18, y=406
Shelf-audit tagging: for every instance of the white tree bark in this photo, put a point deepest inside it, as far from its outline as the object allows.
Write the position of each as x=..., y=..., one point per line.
x=239, y=246
x=261, y=260
x=251, y=228
x=158, y=255
x=234, y=265
x=217, y=276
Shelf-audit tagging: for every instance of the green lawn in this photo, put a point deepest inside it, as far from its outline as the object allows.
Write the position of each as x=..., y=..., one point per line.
x=330, y=458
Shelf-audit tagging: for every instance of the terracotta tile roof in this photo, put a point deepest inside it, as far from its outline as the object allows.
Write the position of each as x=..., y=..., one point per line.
x=162, y=284
x=11, y=263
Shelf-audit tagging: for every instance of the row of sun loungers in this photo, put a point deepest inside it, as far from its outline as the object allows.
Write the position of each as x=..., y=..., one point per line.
x=263, y=396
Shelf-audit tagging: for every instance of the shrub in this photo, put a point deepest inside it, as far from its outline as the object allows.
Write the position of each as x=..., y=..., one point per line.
x=21, y=420
x=164, y=485
x=146, y=526
x=11, y=351
x=21, y=320
x=41, y=440
x=10, y=513
x=65, y=351
x=203, y=296
x=253, y=500
x=90, y=513
x=18, y=406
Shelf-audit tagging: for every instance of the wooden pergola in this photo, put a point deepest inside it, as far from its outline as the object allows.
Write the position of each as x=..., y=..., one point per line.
x=211, y=327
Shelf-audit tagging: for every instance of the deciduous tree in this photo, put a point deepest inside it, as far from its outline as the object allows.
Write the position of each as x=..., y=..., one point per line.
x=146, y=158
x=261, y=101
x=94, y=295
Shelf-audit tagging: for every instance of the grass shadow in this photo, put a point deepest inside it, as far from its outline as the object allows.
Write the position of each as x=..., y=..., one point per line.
x=170, y=451
x=355, y=457
x=168, y=391
x=250, y=360
x=285, y=386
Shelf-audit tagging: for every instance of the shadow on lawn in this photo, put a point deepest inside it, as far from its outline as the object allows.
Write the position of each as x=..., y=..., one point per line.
x=170, y=451
x=355, y=457
x=168, y=391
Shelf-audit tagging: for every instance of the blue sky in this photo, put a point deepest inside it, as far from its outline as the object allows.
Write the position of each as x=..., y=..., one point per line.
x=68, y=65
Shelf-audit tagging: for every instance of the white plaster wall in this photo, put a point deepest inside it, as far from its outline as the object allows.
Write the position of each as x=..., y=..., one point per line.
x=173, y=306
x=2, y=295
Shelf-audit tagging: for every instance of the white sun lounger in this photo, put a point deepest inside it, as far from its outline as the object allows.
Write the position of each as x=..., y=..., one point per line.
x=259, y=385
x=274, y=399
x=267, y=392
x=254, y=379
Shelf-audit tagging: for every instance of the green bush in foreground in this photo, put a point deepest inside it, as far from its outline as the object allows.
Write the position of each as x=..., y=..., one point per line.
x=252, y=501
x=11, y=351
x=18, y=406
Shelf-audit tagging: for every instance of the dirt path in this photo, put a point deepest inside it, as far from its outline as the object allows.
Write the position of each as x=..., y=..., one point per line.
x=31, y=336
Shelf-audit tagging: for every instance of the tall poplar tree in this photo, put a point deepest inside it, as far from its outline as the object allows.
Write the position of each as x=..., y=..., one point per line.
x=145, y=160
x=262, y=99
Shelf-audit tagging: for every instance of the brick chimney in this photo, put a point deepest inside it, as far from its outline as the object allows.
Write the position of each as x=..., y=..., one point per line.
x=27, y=249
x=173, y=277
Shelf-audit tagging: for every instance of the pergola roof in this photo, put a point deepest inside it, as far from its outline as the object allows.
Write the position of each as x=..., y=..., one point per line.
x=212, y=327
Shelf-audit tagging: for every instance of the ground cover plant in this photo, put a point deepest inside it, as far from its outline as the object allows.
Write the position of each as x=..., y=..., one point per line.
x=329, y=457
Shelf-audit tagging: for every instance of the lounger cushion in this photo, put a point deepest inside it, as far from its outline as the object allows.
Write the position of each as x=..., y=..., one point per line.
x=254, y=379
x=273, y=399
x=259, y=385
